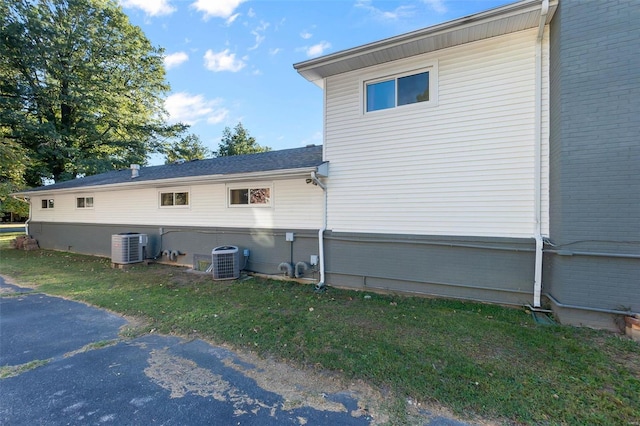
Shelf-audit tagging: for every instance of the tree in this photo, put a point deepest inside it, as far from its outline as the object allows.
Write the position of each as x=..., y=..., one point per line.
x=237, y=143
x=13, y=161
x=188, y=148
x=81, y=88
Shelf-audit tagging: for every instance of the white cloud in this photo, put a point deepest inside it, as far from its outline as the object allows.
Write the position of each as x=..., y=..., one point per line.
x=251, y=13
x=150, y=7
x=216, y=8
x=275, y=51
x=222, y=61
x=231, y=19
x=191, y=109
x=175, y=59
x=258, y=33
x=382, y=15
x=436, y=5
x=318, y=49
x=306, y=34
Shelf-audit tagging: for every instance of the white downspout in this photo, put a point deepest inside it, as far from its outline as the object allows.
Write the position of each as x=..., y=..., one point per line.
x=537, y=281
x=26, y=222
x=320, y=285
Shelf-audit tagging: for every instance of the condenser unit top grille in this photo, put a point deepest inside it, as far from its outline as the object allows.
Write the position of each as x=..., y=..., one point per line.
x=225, y=263
x=128, y=248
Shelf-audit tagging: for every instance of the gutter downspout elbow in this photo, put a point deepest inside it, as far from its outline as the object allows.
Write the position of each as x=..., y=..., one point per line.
x=537, y=281
x=26, y=222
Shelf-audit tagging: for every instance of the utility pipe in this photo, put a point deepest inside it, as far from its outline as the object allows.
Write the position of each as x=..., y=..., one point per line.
x=26, y=222
x=587, y=308
x=537, y=280
x=594, y=254
x=320, y=285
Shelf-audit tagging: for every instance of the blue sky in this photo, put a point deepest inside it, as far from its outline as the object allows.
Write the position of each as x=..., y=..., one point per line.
x=231, y=61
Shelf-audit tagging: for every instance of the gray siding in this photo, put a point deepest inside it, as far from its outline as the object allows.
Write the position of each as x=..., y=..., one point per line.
x=489, y=269
x=268, y=247
x=595, y=154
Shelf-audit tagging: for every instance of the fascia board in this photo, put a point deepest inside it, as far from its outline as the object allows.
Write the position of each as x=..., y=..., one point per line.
x=308, y=68
x=191, y=180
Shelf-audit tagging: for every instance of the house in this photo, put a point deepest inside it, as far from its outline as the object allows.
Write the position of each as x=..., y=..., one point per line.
x=493, y=158
x=248, y=201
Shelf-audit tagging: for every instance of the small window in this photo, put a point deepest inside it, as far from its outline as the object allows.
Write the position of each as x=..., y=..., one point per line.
x=168, y=199
x=84, y=202
x=397, y=91
x=47, y=204
x=250, y=197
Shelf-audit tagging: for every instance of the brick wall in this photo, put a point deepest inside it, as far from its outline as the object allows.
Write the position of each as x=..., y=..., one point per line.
x=595, y=152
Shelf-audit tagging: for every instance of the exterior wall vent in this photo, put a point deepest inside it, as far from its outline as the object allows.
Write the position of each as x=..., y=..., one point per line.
x=128, y=248
x=135, y=170
x=225, y=263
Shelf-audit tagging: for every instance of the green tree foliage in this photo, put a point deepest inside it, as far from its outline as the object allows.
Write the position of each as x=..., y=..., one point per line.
x=81, y=88
x=188, y=148
x=13, y=162
x=237, y=143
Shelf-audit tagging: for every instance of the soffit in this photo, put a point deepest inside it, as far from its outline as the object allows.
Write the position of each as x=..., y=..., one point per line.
x=492, y=23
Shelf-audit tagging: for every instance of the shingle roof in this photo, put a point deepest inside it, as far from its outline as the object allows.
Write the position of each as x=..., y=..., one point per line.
x=286, y=159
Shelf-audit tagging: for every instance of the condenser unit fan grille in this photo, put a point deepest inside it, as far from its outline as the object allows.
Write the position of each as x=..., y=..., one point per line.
x=225, y=263
x=128, y=248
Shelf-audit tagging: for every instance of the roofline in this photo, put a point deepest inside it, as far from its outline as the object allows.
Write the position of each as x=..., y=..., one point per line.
x=438, y=29
x=191, y=180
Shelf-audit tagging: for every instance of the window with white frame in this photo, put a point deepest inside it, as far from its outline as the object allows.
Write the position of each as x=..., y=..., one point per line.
x=47, y=203
x=174, y=199
x=84, y=202
x=250, y=196
x=399, y=90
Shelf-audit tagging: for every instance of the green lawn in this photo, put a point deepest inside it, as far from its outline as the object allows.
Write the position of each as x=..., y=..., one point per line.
x=6, y=237
x=478, y=360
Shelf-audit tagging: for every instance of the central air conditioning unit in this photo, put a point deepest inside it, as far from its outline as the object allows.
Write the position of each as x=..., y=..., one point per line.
x=128, y=248
x=225, y=263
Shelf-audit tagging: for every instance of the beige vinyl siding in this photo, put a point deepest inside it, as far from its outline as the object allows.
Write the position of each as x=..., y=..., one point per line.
x=462, y=167
x=294, y=204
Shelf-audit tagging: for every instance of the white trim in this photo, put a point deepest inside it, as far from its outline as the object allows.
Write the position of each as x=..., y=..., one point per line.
x=503, y=20
x=85, y=197
x=174, y=191
x=47, y=199
x=379, y=76
x=249, y=186
x=192, y=180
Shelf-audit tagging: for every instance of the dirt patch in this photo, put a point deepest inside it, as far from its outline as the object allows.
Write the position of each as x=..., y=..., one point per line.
x=181, y=376
x=298, y=388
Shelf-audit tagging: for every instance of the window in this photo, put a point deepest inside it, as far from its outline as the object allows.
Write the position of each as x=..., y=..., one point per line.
x=84, y=202
x=47, y=204
x=250, y=197
x=168, y=199
x=397, y=91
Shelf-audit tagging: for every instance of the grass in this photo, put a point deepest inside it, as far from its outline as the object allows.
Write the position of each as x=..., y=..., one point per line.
x=15, y=370
x=6, y=237
x=478, y=360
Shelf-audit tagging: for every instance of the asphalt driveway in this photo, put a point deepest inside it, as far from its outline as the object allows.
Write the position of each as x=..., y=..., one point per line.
x=66, y=363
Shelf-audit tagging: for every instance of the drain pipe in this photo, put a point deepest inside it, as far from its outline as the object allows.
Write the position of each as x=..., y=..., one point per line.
x=320, y=285
x=537, y=281
x=26, y=222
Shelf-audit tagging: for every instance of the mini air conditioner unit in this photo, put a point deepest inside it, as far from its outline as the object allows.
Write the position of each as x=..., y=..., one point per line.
x=128, y=248
x=225, y=263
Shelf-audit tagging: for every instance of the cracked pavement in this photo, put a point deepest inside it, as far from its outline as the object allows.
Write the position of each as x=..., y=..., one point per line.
x=65, y=362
